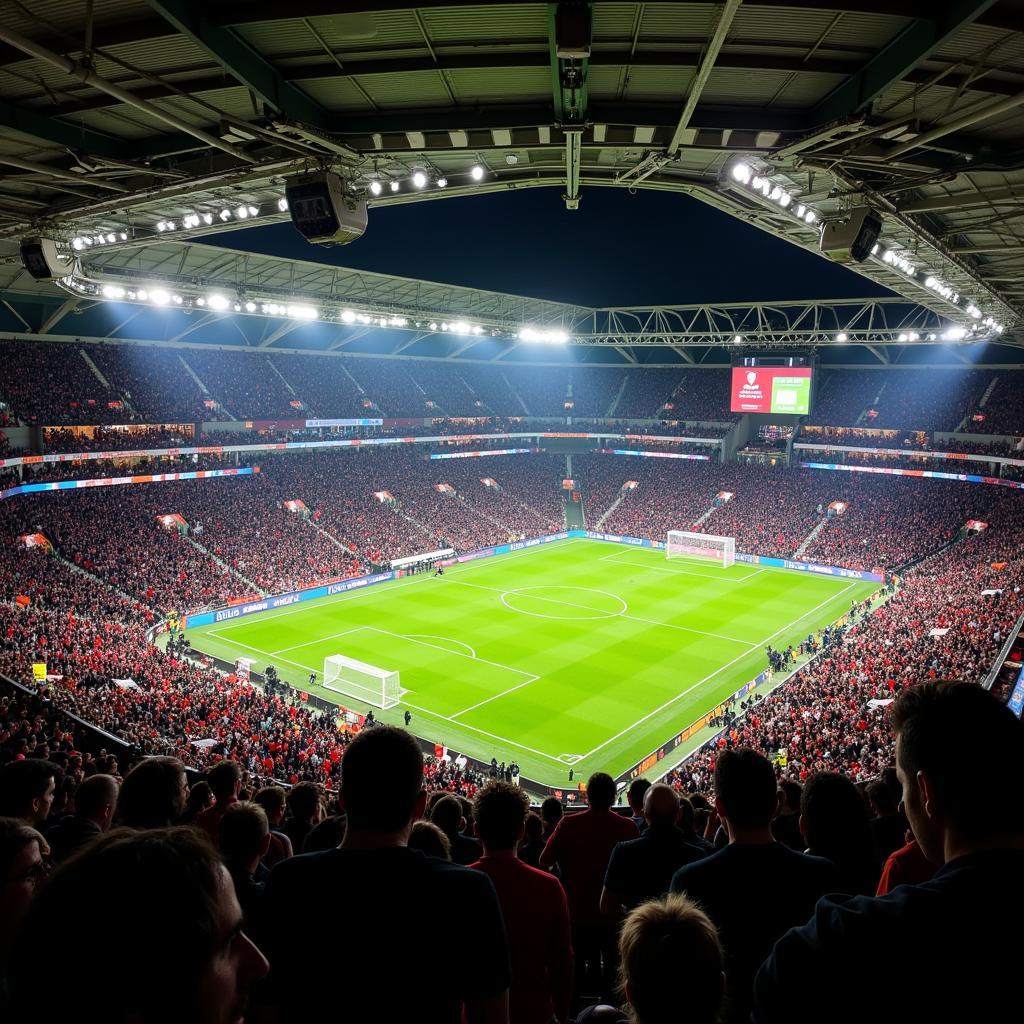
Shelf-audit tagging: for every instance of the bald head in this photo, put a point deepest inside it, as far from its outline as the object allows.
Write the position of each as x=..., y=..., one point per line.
x=661, y=805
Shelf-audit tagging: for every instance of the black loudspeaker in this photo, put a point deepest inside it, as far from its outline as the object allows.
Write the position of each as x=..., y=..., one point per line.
x=322, y=212
x=39, y=256
x=851, y=239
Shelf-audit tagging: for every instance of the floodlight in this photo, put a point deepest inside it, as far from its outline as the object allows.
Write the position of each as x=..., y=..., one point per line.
x=242, y=212
x=477, y=172
x=159, y=296
x=218, y=302
x=419, y=179
x=347, y=316
x=376, y=187
x=442, y=182
x=113, y=291
x=282, y=204
x=394, y=186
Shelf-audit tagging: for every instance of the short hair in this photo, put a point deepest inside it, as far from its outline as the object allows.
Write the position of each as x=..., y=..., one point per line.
x=600, y=790
x=836, y=822
x=270, y=798
x=791, y=790
x=241, y=832
x=381, y=779
x=304, y=800
x=15, y=835
x=551, y=810
x=446, y=814
x=661, y=805
x=685, y=818
x=881, y=796
x=224, y=778
x=150, y=795
x=745, y=786
x=94, y=794
x=23, y=781
x=534, y=826
x=429, y=839
x=667, y=947
x=325, y=835
x=161, y=887
x=978, y=795
x=635, y=794
x=500, y=810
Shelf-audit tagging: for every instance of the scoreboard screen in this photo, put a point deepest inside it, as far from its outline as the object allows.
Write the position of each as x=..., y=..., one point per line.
x=759, y=388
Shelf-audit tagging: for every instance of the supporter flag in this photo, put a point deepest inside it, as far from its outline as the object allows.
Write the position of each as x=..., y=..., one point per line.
x=836, y=508
x=630, y=485
x=440, y=752
x=444, y=488
x=39, y=671
x=488, y=481
x=173, y=521
x=976, y=524
x=568, y=485
x=384, y=496
x=295, y=505
x=35, y=540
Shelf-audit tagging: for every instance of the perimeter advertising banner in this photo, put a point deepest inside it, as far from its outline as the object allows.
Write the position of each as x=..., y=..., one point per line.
x=771, y=389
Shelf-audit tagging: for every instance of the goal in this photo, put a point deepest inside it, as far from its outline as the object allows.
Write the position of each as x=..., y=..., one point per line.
x=368, y=683
x=681, y=544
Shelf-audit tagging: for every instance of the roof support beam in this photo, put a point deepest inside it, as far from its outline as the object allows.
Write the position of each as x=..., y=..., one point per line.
x=60, y=133
x=918, y=41
x=569, y=95
x=707, y=65
x=57, y=315
x=250, y=68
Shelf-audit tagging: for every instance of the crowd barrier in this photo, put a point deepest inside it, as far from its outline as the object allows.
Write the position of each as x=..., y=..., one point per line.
x=932, y=474
x=119, y=481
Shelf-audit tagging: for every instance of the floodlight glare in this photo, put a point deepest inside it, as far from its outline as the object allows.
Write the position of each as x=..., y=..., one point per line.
x=159, y=296
x=250, y=307
x=742, y=172
x=242, y=212
x=419, y=179
x=218, y=302
x=394, y=186
x=113, y=291
x=442, y=182
x=347, y=316
x=282, y=204
x=477, y=172
x=225, y=215
x=376, y=188
x=841, y=337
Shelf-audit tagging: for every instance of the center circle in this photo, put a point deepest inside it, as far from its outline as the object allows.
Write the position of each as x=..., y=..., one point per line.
x=581, y=604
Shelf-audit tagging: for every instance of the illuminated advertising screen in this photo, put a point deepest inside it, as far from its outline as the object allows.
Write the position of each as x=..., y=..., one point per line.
x=771, y=389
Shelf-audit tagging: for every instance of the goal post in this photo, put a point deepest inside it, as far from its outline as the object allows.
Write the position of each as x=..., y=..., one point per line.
x=682, y=544
x=369, y=683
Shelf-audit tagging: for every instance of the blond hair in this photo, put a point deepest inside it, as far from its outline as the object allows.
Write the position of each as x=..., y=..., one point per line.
x=669, y=951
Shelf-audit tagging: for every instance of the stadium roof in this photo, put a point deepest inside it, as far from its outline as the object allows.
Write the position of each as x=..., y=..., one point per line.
x=148, y=111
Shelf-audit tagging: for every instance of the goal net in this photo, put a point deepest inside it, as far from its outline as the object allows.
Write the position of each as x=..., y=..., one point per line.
x=368, y=683
x=681, y=544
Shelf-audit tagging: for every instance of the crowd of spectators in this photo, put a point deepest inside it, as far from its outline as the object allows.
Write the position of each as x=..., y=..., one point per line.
x=106, y=439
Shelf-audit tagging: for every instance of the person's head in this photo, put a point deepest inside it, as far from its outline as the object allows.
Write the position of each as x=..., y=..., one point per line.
x=685, y=817
x=789, y=802
x=834, y=820
x=661, y=806
x=600, y=791
x=382, y=781
x=225, y=779
x=96, y=800
x=153, y=794
x=23, y=853
x=304, y=801
x=186, y=957
x=27, y=789
x=500, y=810
x=426, y=837
x=669, y=951
x=635, y=795
x=325, y=835
x=200, y=798
x=551, y=811
x=243, y=835
x=446, y=814
x=272, y=800
x=880, y=796
x=956, y=803
x=745, y=790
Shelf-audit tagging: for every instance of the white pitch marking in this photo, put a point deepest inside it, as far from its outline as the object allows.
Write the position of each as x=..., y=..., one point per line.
x=480, y=704
x=433, y=636
x=613, y=557
x=523, y=591
x=711, y=675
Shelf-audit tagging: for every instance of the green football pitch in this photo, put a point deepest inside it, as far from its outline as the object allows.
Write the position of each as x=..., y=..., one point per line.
x=579, y=653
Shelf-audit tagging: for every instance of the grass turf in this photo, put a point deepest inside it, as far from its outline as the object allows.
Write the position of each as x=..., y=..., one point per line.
x=579, y=653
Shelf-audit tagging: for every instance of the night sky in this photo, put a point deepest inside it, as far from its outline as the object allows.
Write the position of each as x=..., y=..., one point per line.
x=616, y=249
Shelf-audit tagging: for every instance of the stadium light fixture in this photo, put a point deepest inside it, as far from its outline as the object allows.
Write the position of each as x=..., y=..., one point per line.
x=394, y=186
x=738, y=339
x=113, y=291
x=282, y=205
x=159, y=296
x=347, y=316
x=376, y=188
x=544, y=336
x=242, y=213
x=250, y=306
x=477, y=172
x=225, y=214
x=442, y=182
x=419, y=179
x=302, y=312
x=842, y=337
x=218, y=302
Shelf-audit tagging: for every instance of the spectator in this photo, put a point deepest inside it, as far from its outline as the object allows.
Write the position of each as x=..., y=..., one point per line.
x=27, y=788
x=551, y=812
x=688, y=825
x=153, y=794
x=755, y=888
x=906, y=866
x=385, y=892
x=533, y=907
x=430, y=840
x=243, y=835
x=95, y=804
x=967, y=815
x=887, y=825
x=272, y=800
x=303, y=813
x=447, y=815
x=164, y=901
x=326, y=834
x=200, y=798
x=225, y=779
x=635, y=799
x=671, y=963
x=533, y=840
x=581, y=846
x=642, y=869
x=23, y=864
x=786, y=823
x=835, y=822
